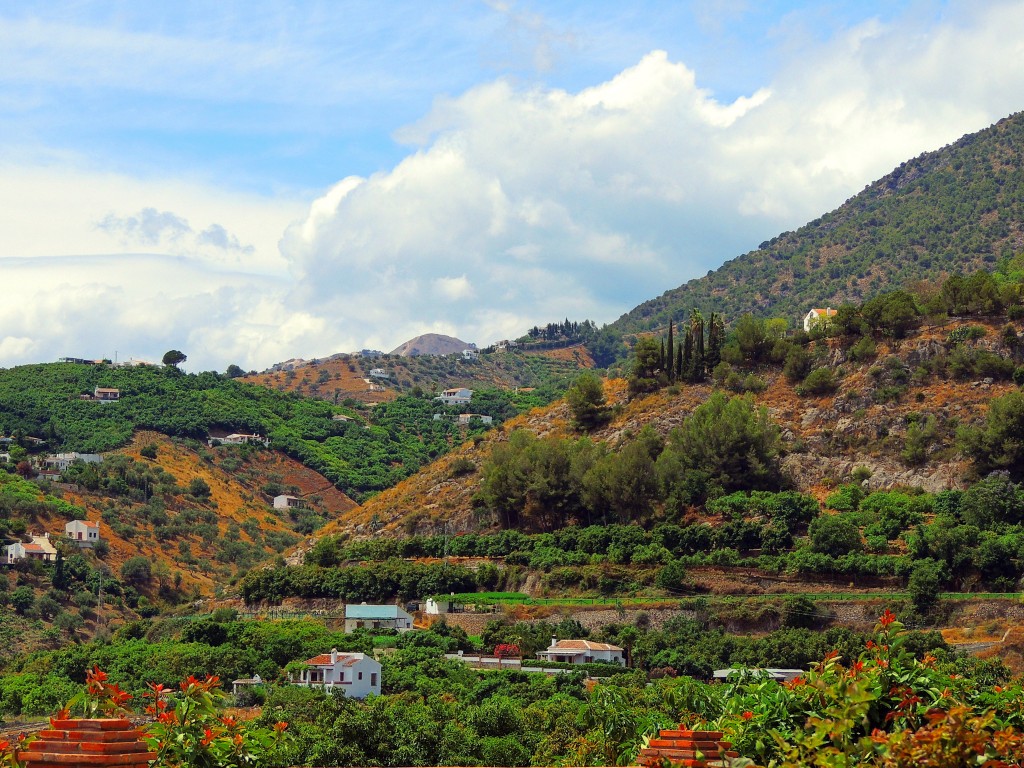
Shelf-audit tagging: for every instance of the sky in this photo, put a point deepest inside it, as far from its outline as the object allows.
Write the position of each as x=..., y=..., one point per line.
x=252, y=182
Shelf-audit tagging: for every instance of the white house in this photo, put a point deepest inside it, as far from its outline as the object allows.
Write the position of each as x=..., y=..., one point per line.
x=289, y=502
x=376, y=617
x=378, y=373
x=239, y=439
x=582, y=652
x=458, y=396
x=816, y=316
x=439, y=606
x=82, y=532
x=106, y=394
x=61, y=461
x=470, y=354
x=39, y=548
x=354, y=675
x=464, y=418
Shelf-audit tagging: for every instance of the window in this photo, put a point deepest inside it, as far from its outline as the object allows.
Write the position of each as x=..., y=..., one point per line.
x=360, y=675
x=373, y=679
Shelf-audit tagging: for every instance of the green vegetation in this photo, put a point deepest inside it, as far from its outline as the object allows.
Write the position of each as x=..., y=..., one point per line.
x=401, y=436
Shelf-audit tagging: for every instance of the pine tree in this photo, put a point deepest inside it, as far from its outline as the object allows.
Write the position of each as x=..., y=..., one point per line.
x=684, y=369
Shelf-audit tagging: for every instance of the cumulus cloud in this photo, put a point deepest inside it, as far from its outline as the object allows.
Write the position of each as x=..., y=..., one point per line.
x=517, y=204
x=553, y=203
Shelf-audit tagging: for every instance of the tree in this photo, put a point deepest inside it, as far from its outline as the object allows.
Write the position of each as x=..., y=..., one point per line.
x=136, y=570
x=731, y=441
x=234, y=371
x=646, y=366
x=752, y=337
x=925, y=583
x=586, y=400
x=23, y=599
x=1000, y=445
x=834, y=535
x=173, y=358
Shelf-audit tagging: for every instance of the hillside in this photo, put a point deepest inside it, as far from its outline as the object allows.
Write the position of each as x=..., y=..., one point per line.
x=864, y=423
x=958, y=209
x=360, y=450
x=346, y=379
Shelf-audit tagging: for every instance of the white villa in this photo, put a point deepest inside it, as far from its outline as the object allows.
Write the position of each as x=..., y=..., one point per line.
x=816, y=316
x=61, y=461
x=458, y=396
x=39, y=548
x=82, y=532
x=582, y=652
x=289, y=502
x=354, y=675
x=106, y=394
x=376, y=617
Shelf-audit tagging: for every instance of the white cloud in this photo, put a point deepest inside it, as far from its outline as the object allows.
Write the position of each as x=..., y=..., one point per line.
x=516, y=204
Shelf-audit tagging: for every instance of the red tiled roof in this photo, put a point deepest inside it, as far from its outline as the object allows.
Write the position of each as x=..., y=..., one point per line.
x=826, y=312
x=324, y=660
x=583, y=645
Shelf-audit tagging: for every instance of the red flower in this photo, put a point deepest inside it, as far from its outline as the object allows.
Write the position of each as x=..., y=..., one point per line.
x=207, y=737
x=748, y=715
x=887, y=618
x=280, y=726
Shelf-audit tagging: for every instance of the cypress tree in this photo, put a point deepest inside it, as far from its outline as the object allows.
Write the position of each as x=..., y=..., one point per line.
x=671, y=356
x=697, y=326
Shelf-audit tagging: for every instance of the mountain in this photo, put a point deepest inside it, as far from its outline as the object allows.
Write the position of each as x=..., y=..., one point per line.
x=431, y=344
x=957, y=209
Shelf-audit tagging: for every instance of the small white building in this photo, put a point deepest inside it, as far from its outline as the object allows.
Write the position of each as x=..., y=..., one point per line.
x=439, y=606
x=470, y=354
x=458, y=396
x=289, y=502
x=59, y=462
x=376, y=617
x=816, y=316
x=39, y=548
x=582, y=652
x=82, y=532
x=379, y=373
x=239, y=439
x=106, y=394
x=465, y=418
x=354, y=675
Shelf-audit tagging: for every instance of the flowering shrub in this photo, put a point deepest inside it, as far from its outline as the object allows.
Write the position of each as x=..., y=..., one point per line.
x=885, y=708
x=98, y=698
x=190, y=728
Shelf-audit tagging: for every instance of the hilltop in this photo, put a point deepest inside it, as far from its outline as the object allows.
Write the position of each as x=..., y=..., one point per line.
x=954, y=210
x=431, y=344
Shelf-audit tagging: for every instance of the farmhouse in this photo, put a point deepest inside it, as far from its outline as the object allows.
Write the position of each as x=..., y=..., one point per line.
x=376, y=617
x=60, y=462
x=82, y=532
x=816, y=316
x=582, y=652
x=106, y=394
x=39, y=548
x=289, y=502
x=354, y=675
x=458, y=396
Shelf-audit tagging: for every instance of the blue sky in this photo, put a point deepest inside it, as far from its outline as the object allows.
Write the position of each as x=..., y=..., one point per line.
x=256, y=181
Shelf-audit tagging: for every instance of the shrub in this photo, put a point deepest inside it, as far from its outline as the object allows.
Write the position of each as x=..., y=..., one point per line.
x=820, y=381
